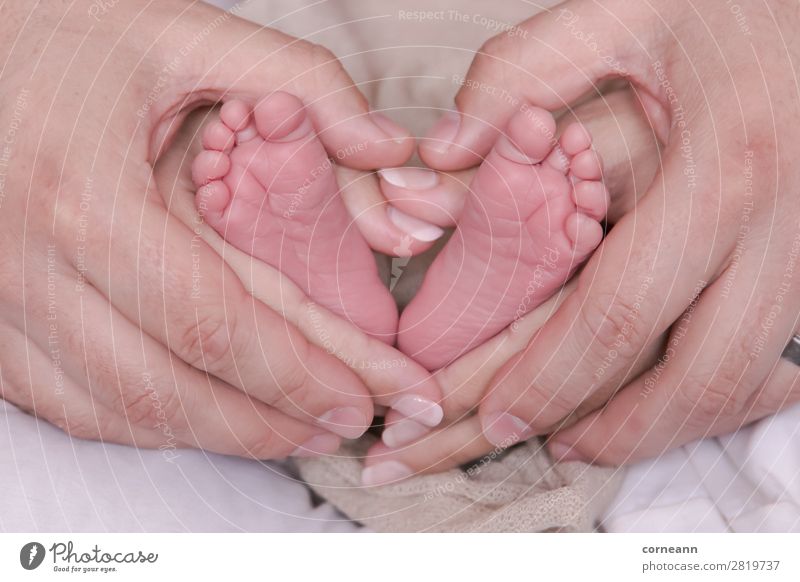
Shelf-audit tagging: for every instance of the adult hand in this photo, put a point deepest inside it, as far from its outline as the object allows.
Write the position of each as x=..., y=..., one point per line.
x=118, y=321
x=388, y=375
x=631, y=156
x=707, y=256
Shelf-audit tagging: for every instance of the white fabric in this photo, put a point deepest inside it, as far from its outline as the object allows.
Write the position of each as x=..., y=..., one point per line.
x=746, y=482
x=50, y=482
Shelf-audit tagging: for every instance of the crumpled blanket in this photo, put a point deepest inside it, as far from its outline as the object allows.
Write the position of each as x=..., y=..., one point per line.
x=520, y=490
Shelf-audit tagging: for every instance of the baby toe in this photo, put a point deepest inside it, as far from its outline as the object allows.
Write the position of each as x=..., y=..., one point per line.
x=529, y=138
x=575, y=139
x=281, y=117
x=236, y=115
x=558, y=160
x=587, y=165
x=584, y=233
x=208, y=166
x=211, y=201
x=218, y=136
x=591, y=198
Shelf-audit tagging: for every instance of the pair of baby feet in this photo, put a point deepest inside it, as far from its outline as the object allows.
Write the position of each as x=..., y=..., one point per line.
x=266, y=184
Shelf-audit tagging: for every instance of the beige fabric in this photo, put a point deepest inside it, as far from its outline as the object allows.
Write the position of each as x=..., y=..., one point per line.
x=519, y=491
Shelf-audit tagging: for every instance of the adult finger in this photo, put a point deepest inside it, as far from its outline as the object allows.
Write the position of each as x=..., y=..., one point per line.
x=35, y=381
x=385, y=228
x=464, y=382
x=186, y=298
x=393, y=379
x=442, y=449
x=546, y=63
x=716, y=363
x=246, y=60
x=439, y=202
x=627, y=296
x=388, y=375
x=134, y=376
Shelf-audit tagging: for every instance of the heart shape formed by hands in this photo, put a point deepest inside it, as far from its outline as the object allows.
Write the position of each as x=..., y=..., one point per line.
x=530, y=219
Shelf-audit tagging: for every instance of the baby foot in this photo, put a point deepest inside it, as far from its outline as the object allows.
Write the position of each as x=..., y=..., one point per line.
x=265, y=184
x=530, y=221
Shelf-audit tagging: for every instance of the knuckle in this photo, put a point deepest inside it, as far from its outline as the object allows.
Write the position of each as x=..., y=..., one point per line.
x=205, y=342
x=293, y=382
x=144, y=405
x=137, y=406
x=612, y=325
x=80, y=425
x=271, y=444
x=615, y=451
x=546, y=407
x=321, y=55
x=18, y=394
x=495, y=47
x=326, y=67
x=702, y=402
x=75, y=196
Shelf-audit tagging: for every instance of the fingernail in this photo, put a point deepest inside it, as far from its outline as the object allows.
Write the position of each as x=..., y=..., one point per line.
x=562, y=453
x=397, y=133
x=410, y=178
x=383, y=473
x=348, y=422
x=418, y=229
x=444, y=131
x=420, y=409
x=321, y=444
x=503, y=429
x=403, y=432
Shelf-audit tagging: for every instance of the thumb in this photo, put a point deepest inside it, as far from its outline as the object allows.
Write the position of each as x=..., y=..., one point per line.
x=243, y=60
x=549, y=61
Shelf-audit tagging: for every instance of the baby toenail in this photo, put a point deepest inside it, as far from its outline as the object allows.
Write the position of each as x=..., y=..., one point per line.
x=416, y=228
x=301, y=131
x=246, y=134
x=411, y=178
x=385, y=473
x=584, y=232
x=509, y=151
x=419, y=409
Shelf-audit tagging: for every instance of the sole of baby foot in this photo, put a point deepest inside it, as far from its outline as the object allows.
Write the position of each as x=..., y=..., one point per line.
x=265, y=183
x=531, y=219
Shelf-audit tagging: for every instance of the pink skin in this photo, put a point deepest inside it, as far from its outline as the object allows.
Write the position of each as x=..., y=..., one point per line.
x=267, y=186
x=529, y=222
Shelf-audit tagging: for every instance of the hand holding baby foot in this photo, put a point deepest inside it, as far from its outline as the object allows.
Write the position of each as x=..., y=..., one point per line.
x=624, y=136
x=142, y=311
x=266, y=185
x=676, y=253
x=530, y=221
x=261, y=172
